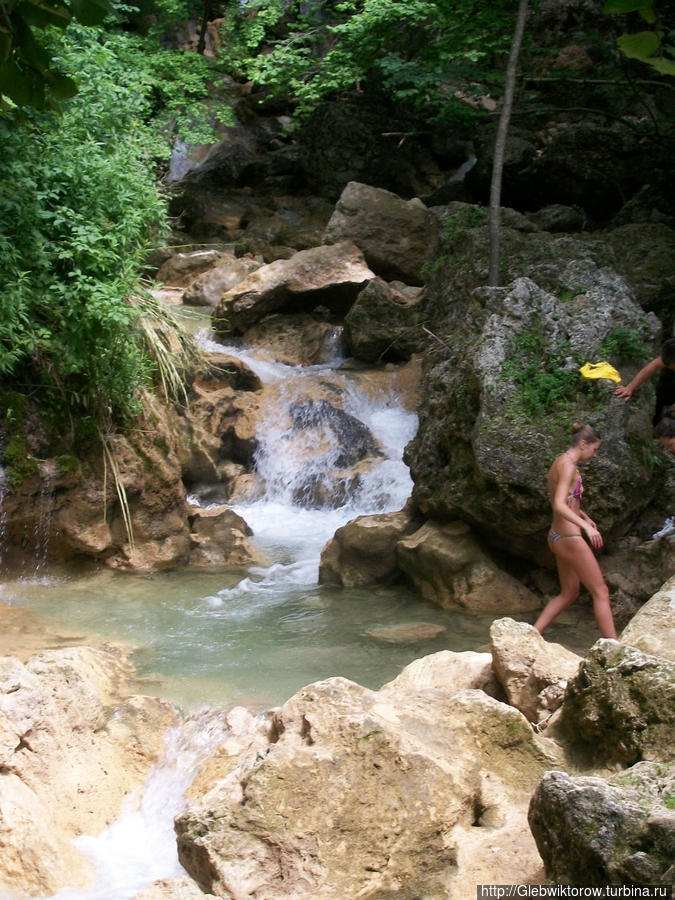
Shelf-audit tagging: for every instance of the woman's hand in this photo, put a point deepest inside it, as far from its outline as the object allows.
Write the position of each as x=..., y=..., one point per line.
x=594, y=535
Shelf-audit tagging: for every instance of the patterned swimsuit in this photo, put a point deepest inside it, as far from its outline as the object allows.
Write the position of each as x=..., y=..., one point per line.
x=575, y=494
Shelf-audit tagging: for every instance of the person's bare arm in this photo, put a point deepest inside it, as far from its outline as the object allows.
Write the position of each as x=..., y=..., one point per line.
x=626, y=391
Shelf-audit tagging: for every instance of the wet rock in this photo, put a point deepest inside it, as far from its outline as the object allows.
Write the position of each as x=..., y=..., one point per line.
x=397, y=237
x=620, y=707
x=364, y=550
x=533, y=672
x=405, y=632
x=448, y=567
x=209, y=287
x=322, y=276
x=385, y=322
x=596, y=832
x=296, y=340
x=558, y=218
x=220, y=539
x=350, y=439
x=72, y=744
x=652, y=628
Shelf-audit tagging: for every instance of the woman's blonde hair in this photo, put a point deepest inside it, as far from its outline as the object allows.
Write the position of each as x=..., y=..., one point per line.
x=583, y=432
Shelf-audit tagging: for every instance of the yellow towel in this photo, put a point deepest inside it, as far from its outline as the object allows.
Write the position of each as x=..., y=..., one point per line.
x=600, y=370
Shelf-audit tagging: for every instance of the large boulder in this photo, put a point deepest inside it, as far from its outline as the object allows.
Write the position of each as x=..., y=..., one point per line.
x=386, y=322
x=397, y=237
x=447, y=671
x=364, y=550
x=297, y=339
x=652, y=628
x=620, y=707
x=533, y=672
x=367, y=794
x=497, y=409
x=208, y=287
x=322, y=276
x=220, y=539
x=449, y=567
x=596, y=832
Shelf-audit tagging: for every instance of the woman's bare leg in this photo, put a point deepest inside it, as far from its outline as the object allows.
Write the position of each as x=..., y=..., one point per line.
x=569, y=591
x=577, y=555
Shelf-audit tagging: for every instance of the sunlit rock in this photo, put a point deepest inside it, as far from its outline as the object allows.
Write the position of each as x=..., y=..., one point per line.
x=397, y=236
x=447, y=671
x=533, y=672
x=652, y=628
x=365, y=793
x=321, y=276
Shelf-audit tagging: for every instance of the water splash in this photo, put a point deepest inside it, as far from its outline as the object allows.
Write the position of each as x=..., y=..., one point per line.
x=139, y=847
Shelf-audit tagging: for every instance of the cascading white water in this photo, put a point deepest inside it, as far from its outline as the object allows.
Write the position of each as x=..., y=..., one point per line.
x=140, y=846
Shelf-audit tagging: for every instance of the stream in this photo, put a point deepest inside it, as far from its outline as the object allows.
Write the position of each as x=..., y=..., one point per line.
x=252, y=638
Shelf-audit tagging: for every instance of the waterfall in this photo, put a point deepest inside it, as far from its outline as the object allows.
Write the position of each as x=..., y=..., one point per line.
x=3, y=515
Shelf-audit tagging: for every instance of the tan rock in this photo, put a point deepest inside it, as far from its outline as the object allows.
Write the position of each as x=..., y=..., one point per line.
x=652, y=628
x=295, y=339
x=209, y=287
x=320, y=276
x=220, y=538
x=72, y=745
x=364, y=550
x=449, y=672
x=448, y=567
x=179, y=888
x=405, y=632
x=533, y=672
x=357, y=795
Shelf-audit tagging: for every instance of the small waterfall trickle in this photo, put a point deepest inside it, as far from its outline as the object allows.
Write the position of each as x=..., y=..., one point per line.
x=140, y=847
x=43, y=519
x=3, y=515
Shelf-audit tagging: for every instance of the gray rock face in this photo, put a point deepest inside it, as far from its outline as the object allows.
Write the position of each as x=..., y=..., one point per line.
x=385, y=322
x=397, y=236
x=621, y=705
x=595, y=832
x=498, y=409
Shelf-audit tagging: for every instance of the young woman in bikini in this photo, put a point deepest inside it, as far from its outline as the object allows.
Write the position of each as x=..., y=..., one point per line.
x=577, y=564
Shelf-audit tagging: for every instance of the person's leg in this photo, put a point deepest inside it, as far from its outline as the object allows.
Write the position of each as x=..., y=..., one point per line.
x=577, y=554
x=569, y=591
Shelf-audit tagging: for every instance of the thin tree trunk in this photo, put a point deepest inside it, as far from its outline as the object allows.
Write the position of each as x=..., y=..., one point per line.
x=500, y=144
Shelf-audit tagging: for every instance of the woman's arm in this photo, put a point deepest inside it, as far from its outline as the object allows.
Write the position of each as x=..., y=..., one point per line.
x=626, y=391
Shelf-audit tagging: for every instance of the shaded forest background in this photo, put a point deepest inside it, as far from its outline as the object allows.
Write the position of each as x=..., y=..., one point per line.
x=95, y=94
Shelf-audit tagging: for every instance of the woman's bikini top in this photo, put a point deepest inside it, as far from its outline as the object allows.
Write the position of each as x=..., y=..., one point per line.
x=577, y=491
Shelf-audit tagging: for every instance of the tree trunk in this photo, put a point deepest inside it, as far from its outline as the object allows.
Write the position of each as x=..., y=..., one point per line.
x=500, y=144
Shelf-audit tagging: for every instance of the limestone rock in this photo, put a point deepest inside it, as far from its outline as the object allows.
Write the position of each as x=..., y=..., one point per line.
x=179, y=888
x=321, y=276
x=652, y=628
x=595, y=832
x=296, y=339
x=385, y=322
x=358, y=796
x=72, y=745
x=448, y=567
x=621, y=705
x=447, y=671
x=397, y=236
x=181, y=268
x=364, y=550
x=209, y=287
x=220, y=538
x=405, y=632
x=484, y=446
x=533, y=672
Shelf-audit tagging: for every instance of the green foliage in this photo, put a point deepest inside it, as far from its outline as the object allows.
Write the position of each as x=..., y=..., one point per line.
x=19, y=463
x=77, y=212
x=539, y=369
x=29, y=76
x=623, y=344
x=424, y=52
x=651, y=46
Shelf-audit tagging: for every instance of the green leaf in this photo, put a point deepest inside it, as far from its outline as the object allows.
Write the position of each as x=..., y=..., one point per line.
x=626, y=6
x=662, y=65
x=640, y=45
